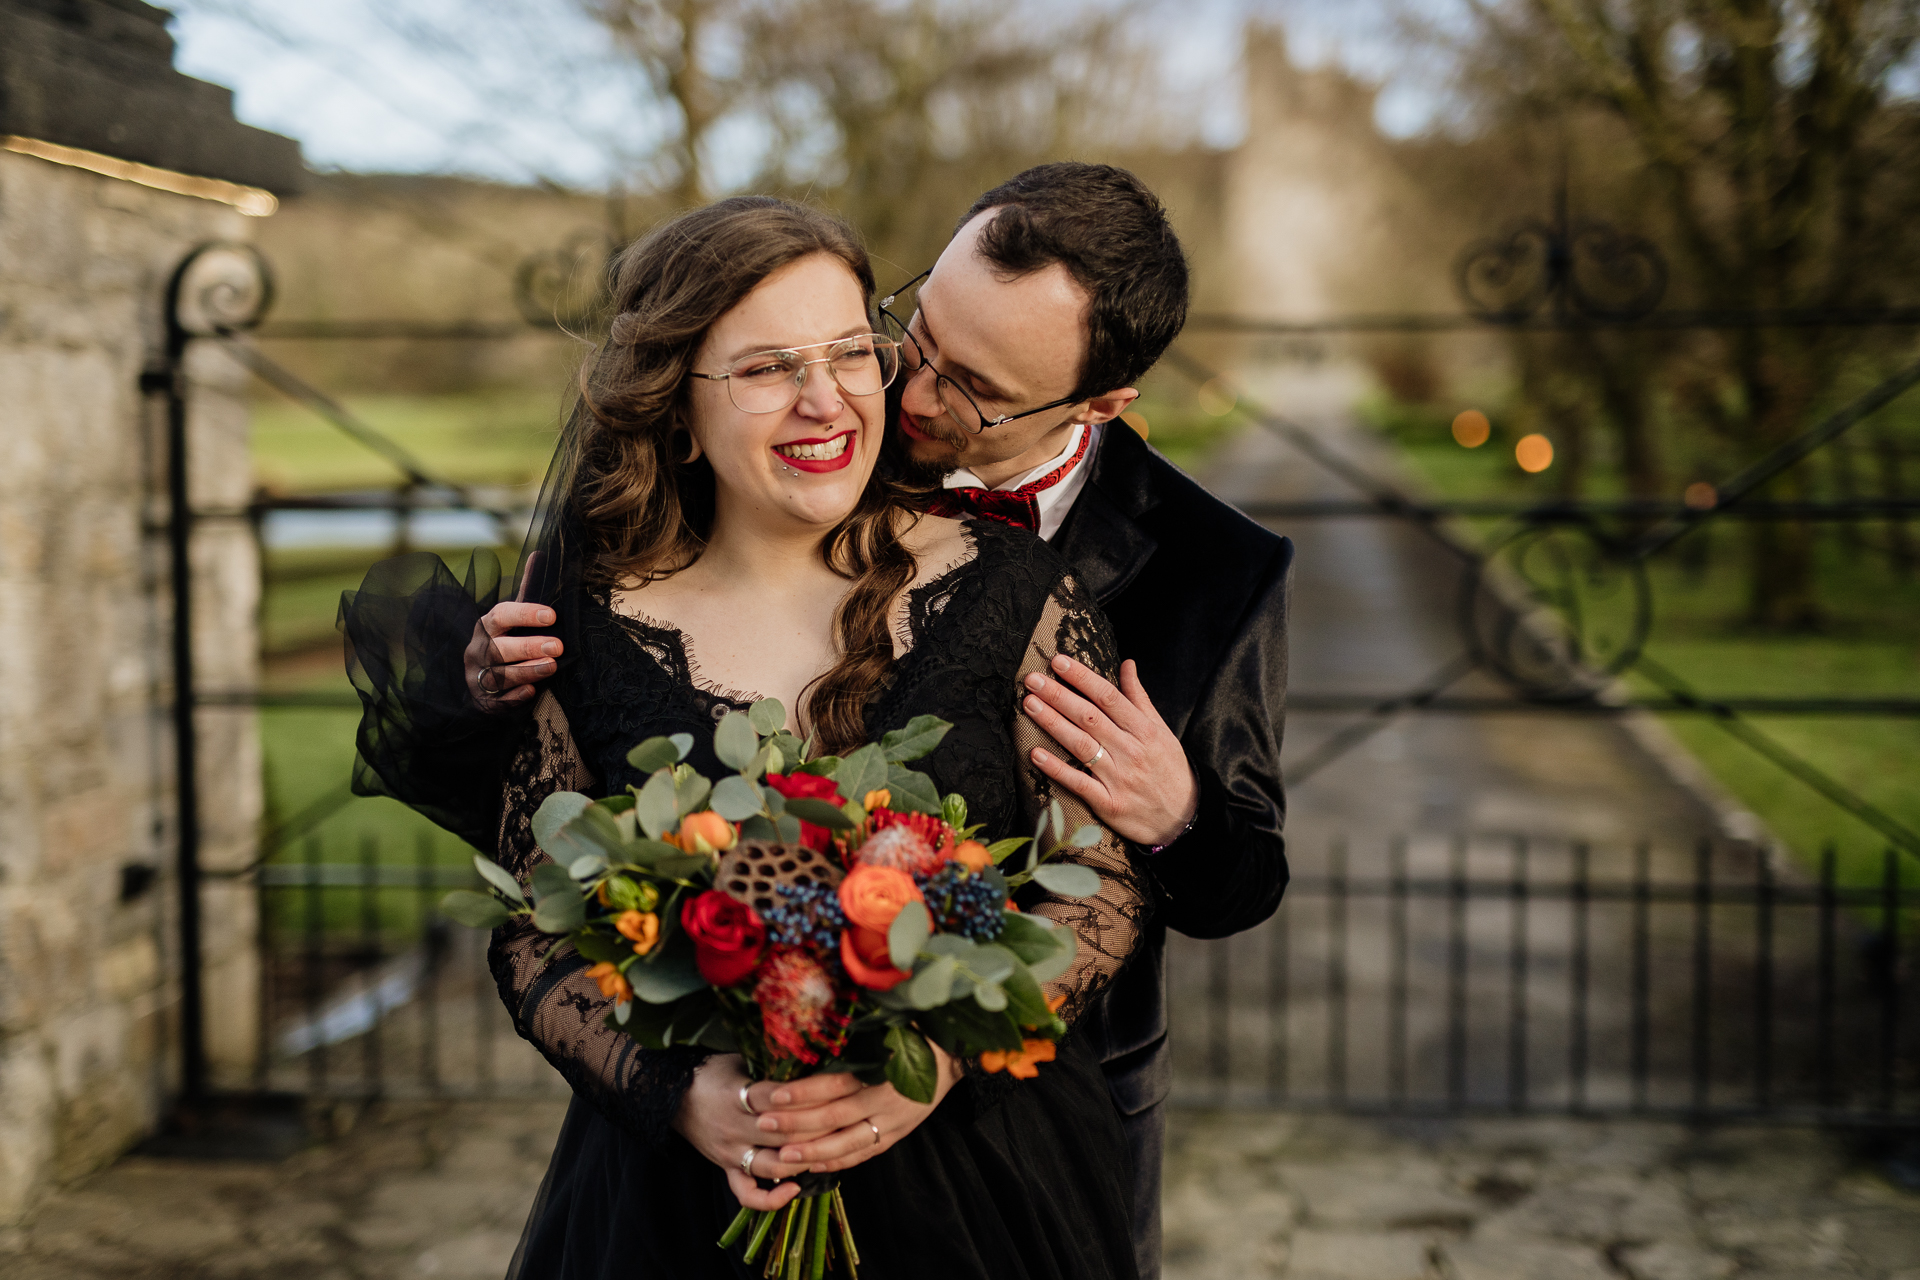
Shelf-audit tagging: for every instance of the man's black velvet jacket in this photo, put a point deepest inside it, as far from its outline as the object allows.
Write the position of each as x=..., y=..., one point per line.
x=1198, y=598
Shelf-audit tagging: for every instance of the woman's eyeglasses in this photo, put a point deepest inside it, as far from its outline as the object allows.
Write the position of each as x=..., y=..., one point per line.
x=961, y=407
x=769, y=381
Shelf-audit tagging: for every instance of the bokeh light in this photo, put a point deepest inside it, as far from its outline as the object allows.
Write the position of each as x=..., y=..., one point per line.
x=1701, y=496
x=1137, y=420
x=1217, y=397
x=1534, y=453
x=1471, y=429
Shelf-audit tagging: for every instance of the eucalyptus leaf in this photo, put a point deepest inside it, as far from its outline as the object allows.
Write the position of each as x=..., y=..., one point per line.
x=682, y=742
x=550, y=878
x=599, y=947
x=991, y=963
x=587, y=865
x=933, y=985
x=475, y=910
x=820, y=813
x=863, y=771
x=767, y=716
x=1058, y=818
x=1068, y=879
x=736, y=799
x=622, y=1011
x=615, y=805
x=789, y=828
x=1086, y=837
x=776, y=804
x=689, y=793
x=999, y=849
x=556, y=811
x=909, y=930
x=666, y=976
x=560, y=912
x=911, y=1068
x=497, y=876
x=822, y=766
x=1032, y=938
x=792, y=749
x=1025, y=1000
x=912, y=791
x=682, y=866
x=766, y=760
x=734, y=740
x=920, y=736
x=1047, y=968
x=989, y=996
x=656, y=808
x=759, y=827
x=654, y=754
x=949, y=944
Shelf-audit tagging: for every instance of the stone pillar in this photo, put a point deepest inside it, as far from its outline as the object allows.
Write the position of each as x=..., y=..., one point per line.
x=89, y=970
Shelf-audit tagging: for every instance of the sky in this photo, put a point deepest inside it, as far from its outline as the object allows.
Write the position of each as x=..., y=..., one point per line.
x=528, y=91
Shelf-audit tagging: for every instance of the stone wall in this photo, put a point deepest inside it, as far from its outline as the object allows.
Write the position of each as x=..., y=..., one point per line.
x=89, y=970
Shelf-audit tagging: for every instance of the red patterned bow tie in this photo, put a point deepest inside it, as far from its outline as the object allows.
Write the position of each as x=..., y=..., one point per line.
x=1018, y=507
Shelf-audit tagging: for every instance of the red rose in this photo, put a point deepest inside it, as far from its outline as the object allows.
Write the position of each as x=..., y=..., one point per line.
x=808, y=786
x=728, y=937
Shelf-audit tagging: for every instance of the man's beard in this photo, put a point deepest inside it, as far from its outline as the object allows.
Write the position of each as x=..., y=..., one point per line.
x=923, y=473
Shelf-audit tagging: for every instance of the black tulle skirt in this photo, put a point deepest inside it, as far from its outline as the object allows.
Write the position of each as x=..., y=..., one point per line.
x=1022, y=1180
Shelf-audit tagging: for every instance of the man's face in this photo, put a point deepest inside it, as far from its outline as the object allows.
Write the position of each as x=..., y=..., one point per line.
x=1011, y=345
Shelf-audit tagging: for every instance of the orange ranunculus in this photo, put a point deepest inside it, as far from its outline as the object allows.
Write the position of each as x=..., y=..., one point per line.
x=706, y=832
x=601, y=894
x=873, y=896
x=877, y=799
x=641, y=928
x=1022, y=1063
x=864, y=953
x=613, y=983
x=973, y=856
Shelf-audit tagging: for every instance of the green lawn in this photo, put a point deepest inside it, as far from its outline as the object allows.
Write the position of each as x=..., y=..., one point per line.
x=1868, y=645
x=496, y=437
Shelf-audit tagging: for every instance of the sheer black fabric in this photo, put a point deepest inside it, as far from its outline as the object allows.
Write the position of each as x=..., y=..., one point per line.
x=1007, y=1178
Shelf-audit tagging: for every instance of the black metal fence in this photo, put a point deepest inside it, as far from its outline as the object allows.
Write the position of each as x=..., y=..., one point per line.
x=1427, y=976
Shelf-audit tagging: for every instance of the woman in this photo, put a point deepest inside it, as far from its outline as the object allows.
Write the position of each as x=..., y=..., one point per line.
x=716, y=531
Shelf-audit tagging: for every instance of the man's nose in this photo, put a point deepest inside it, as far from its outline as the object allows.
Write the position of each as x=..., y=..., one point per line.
x=918, y=396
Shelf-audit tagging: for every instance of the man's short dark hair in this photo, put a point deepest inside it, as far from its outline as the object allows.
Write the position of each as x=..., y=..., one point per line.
x=1112, y=235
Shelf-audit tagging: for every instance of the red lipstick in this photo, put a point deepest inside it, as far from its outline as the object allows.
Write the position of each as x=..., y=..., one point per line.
x=818, y=464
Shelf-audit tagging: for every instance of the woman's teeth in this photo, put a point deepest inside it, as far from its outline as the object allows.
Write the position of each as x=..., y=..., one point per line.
x=815, y=452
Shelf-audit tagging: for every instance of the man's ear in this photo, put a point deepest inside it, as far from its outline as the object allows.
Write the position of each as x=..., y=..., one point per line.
x=1103, y=408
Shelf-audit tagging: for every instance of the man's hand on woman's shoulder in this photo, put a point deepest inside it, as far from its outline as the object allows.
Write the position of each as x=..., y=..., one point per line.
x=502, y=669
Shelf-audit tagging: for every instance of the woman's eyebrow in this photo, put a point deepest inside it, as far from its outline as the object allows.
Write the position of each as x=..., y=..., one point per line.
x=754, y=348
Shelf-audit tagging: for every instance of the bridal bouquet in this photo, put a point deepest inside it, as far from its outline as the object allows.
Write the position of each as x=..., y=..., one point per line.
x=810, y=913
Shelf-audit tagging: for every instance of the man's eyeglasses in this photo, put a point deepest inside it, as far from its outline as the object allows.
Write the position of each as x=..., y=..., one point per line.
x=961, y=407
x=769, y=381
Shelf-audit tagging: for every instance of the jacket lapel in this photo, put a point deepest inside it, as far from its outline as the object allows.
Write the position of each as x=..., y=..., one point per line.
x=1101, y=537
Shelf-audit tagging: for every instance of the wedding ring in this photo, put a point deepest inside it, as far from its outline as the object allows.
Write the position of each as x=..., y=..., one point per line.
x=746, y=1160
x=488, y=670
x=1098, y=756
x=876, y=1132
x=746, y=1103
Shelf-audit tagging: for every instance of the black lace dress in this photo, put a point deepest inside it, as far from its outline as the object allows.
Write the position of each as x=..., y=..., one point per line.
x=1007, y=1178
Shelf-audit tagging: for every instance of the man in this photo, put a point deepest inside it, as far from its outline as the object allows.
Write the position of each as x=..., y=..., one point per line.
x=1060, y=289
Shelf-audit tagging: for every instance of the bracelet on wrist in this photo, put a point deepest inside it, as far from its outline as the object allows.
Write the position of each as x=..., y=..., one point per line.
x=1153, y=849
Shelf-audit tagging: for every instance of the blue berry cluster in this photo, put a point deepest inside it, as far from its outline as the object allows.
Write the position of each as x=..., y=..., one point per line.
x=809, y=915
x=963, y=903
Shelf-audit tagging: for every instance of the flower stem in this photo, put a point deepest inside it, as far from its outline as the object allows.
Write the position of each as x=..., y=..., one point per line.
x=819, y=1268
x=760, y=1231
x=776, y=1260
x=804, y=1210
x=738, y=1225
x=846, y=1234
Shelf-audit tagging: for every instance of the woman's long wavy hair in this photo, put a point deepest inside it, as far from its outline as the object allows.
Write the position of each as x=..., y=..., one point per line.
x=646, y=510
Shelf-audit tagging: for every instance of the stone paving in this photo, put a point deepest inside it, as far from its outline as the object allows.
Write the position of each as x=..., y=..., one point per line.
x=440, y=1190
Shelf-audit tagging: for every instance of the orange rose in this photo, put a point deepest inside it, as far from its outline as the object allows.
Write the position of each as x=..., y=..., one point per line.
x=641, y=928
x=973, y=855
x=1022, y=1063
x=872, y=896
x=864, y=953
x=706, y=832
x=613, y=984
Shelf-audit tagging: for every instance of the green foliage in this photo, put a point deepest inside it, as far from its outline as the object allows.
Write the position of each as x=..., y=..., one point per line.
x=911, y=1068
x=475, y=910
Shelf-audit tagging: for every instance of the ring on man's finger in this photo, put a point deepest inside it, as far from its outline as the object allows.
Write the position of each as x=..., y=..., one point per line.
x=489, y=670
x=746, y=1103
x=1098, y=756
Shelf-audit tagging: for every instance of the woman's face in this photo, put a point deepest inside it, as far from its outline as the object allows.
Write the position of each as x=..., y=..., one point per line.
x=808, y=463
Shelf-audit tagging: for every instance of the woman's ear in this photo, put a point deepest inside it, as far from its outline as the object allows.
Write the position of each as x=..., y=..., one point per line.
x=693, y=446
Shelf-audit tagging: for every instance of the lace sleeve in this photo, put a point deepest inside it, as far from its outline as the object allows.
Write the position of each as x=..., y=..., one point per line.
x=1108, y=923
x=554, y=1005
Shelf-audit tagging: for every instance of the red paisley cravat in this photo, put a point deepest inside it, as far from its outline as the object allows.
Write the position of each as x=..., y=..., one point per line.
x=1018, y=507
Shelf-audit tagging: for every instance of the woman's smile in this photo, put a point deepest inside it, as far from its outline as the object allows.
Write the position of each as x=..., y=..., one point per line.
x=829, y=454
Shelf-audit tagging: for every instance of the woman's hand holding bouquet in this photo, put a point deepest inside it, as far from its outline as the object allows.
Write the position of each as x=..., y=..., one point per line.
x=813, y=914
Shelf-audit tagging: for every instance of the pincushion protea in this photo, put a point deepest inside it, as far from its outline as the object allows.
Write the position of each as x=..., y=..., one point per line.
x=916, y=843
x=797, y=998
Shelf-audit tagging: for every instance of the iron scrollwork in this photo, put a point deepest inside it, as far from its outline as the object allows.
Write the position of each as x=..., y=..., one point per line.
x=567, y=287
x=219, y=289
x=1584, y=269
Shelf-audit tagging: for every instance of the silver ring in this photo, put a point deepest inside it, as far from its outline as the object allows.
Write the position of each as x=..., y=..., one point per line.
x=876, y=1132
x=486, y=671
x=746, y=1103
x=746, y=1161
x=1098, y=756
